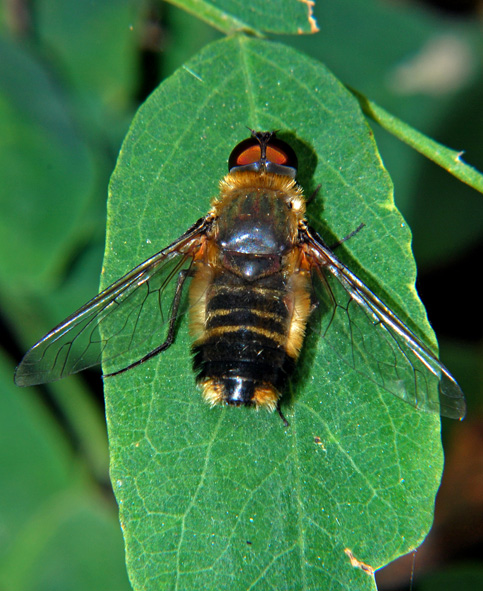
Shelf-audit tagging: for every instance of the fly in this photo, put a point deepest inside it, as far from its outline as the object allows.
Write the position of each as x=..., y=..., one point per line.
x=254, y=271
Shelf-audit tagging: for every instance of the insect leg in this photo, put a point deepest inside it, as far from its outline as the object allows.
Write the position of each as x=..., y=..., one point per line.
x=348, y=237
x=314, y=194
x=183, y=275
x=282, y=416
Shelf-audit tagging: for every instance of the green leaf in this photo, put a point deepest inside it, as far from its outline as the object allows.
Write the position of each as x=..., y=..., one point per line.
x=448, y=159
x=276, y=16
x=96, y=53
x=57, y=531
x=47, y=172
x=227, y=497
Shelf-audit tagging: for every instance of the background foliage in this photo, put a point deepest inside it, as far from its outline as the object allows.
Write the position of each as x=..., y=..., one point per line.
x=70, y=78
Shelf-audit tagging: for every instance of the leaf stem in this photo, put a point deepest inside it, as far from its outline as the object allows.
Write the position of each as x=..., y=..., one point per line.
x=448, y=159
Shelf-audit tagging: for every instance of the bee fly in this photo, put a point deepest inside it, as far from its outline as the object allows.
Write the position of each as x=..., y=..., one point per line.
x=254, y=268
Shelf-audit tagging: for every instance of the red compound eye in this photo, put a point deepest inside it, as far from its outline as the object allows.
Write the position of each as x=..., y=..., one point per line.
x=249, y=155
x=277, y=153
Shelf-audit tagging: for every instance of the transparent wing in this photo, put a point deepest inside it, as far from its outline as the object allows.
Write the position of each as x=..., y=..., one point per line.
x=376, y=343
x=120, y=325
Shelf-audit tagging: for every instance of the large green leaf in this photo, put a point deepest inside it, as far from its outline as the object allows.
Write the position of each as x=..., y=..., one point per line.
x=228, y=497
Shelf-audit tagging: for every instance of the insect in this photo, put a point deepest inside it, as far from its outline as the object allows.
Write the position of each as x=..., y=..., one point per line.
x=253, y=271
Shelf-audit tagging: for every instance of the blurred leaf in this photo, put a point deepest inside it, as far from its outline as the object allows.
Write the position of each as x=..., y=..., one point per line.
x=275, y=16
x=94, y=46
x=211, y=498
x=57, y=532
x=55, y=153
x=47, y=172
x=450, y=160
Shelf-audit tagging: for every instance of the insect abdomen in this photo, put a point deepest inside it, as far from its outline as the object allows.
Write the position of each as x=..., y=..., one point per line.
x=241, y=356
